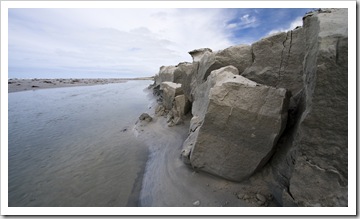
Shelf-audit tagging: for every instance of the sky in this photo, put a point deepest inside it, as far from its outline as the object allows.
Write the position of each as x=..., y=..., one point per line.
x=126, y=43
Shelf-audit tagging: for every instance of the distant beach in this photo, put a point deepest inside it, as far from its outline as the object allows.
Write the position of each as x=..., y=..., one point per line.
x=16, y=85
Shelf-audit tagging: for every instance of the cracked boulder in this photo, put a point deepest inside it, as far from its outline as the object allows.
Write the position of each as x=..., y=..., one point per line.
x=241, y=123
x=277, y=61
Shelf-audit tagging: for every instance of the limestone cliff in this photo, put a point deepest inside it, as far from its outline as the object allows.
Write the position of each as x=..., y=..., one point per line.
x=277, y=107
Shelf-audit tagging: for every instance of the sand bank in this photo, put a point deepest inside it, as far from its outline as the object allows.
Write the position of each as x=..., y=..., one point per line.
x=15, y=85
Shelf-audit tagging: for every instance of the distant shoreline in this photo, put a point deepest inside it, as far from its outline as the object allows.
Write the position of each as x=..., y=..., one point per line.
x=16, y=85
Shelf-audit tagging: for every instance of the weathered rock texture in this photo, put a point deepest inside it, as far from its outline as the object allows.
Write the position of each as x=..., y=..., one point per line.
x=242, y=121
x=299, y=77
x=170, y=91
x=277, y=61
x=319, y=176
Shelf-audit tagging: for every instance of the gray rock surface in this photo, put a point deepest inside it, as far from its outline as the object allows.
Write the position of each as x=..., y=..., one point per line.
x=181, y=106
x=277, y=61
x=197, y=54
x=238, y=56
x=145, y=117
x=241, y=124
x=182, y=73
x=166, y=73
x=310, y=166
x=170, y=91
x=320, y=169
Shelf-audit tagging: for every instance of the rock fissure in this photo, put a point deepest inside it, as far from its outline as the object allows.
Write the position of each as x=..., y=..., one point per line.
x=289, y=52
x=330, y=169
x=337, y=50
x=282, y=58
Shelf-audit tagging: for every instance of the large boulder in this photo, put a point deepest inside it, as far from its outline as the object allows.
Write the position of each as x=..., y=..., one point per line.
x=197, y=54
x=277, y=61
x=184, y=74
x=241, y=123
x=166, y=73
x=170, y=91
x=181, y=106
x=320, y=175
x=238, y=56
x=180, y=74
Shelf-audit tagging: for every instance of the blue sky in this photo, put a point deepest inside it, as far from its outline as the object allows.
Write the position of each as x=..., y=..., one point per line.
x=103, y=43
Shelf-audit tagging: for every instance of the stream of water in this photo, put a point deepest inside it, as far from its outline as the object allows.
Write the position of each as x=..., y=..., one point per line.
x=74, y=146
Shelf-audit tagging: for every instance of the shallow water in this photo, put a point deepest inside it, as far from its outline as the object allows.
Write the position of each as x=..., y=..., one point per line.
x=74, y=146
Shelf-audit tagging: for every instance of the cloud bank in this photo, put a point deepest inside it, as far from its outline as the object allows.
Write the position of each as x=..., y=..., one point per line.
x=88, y=43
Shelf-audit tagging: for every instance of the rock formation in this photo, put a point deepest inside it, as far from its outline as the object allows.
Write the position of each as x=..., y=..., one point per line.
x=319, y=149
x=242, y=121
x=278, y=107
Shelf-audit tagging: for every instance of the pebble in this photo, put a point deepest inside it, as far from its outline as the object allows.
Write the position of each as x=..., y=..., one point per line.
x=240, y=196
x=196, y=203
x=260, y=197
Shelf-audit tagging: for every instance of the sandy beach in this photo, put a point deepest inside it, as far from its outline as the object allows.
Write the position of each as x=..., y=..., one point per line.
x=16, y=85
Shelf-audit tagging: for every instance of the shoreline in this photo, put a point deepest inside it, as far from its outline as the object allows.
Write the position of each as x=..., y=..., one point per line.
x=17, y=85
x=168, y=182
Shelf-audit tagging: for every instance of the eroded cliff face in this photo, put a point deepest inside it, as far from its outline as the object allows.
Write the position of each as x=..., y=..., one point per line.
x=275, y=111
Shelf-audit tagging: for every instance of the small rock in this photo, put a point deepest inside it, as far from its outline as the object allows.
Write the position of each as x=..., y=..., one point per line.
x=196, y=203
x=245, y=197
x=145, y=117
x=260, y=197
x=240, y=196
x=162, y=113
x=169, y=117
x=260, y=203
x=178, y=121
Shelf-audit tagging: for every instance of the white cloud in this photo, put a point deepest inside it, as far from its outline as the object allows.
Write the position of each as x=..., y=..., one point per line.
x=297, y=22
x=245, y=21
x=138, y=40
x=231, y=26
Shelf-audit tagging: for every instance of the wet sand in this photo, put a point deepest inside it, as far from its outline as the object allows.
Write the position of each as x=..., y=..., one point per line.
x=168, y=182
x=16, y=85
